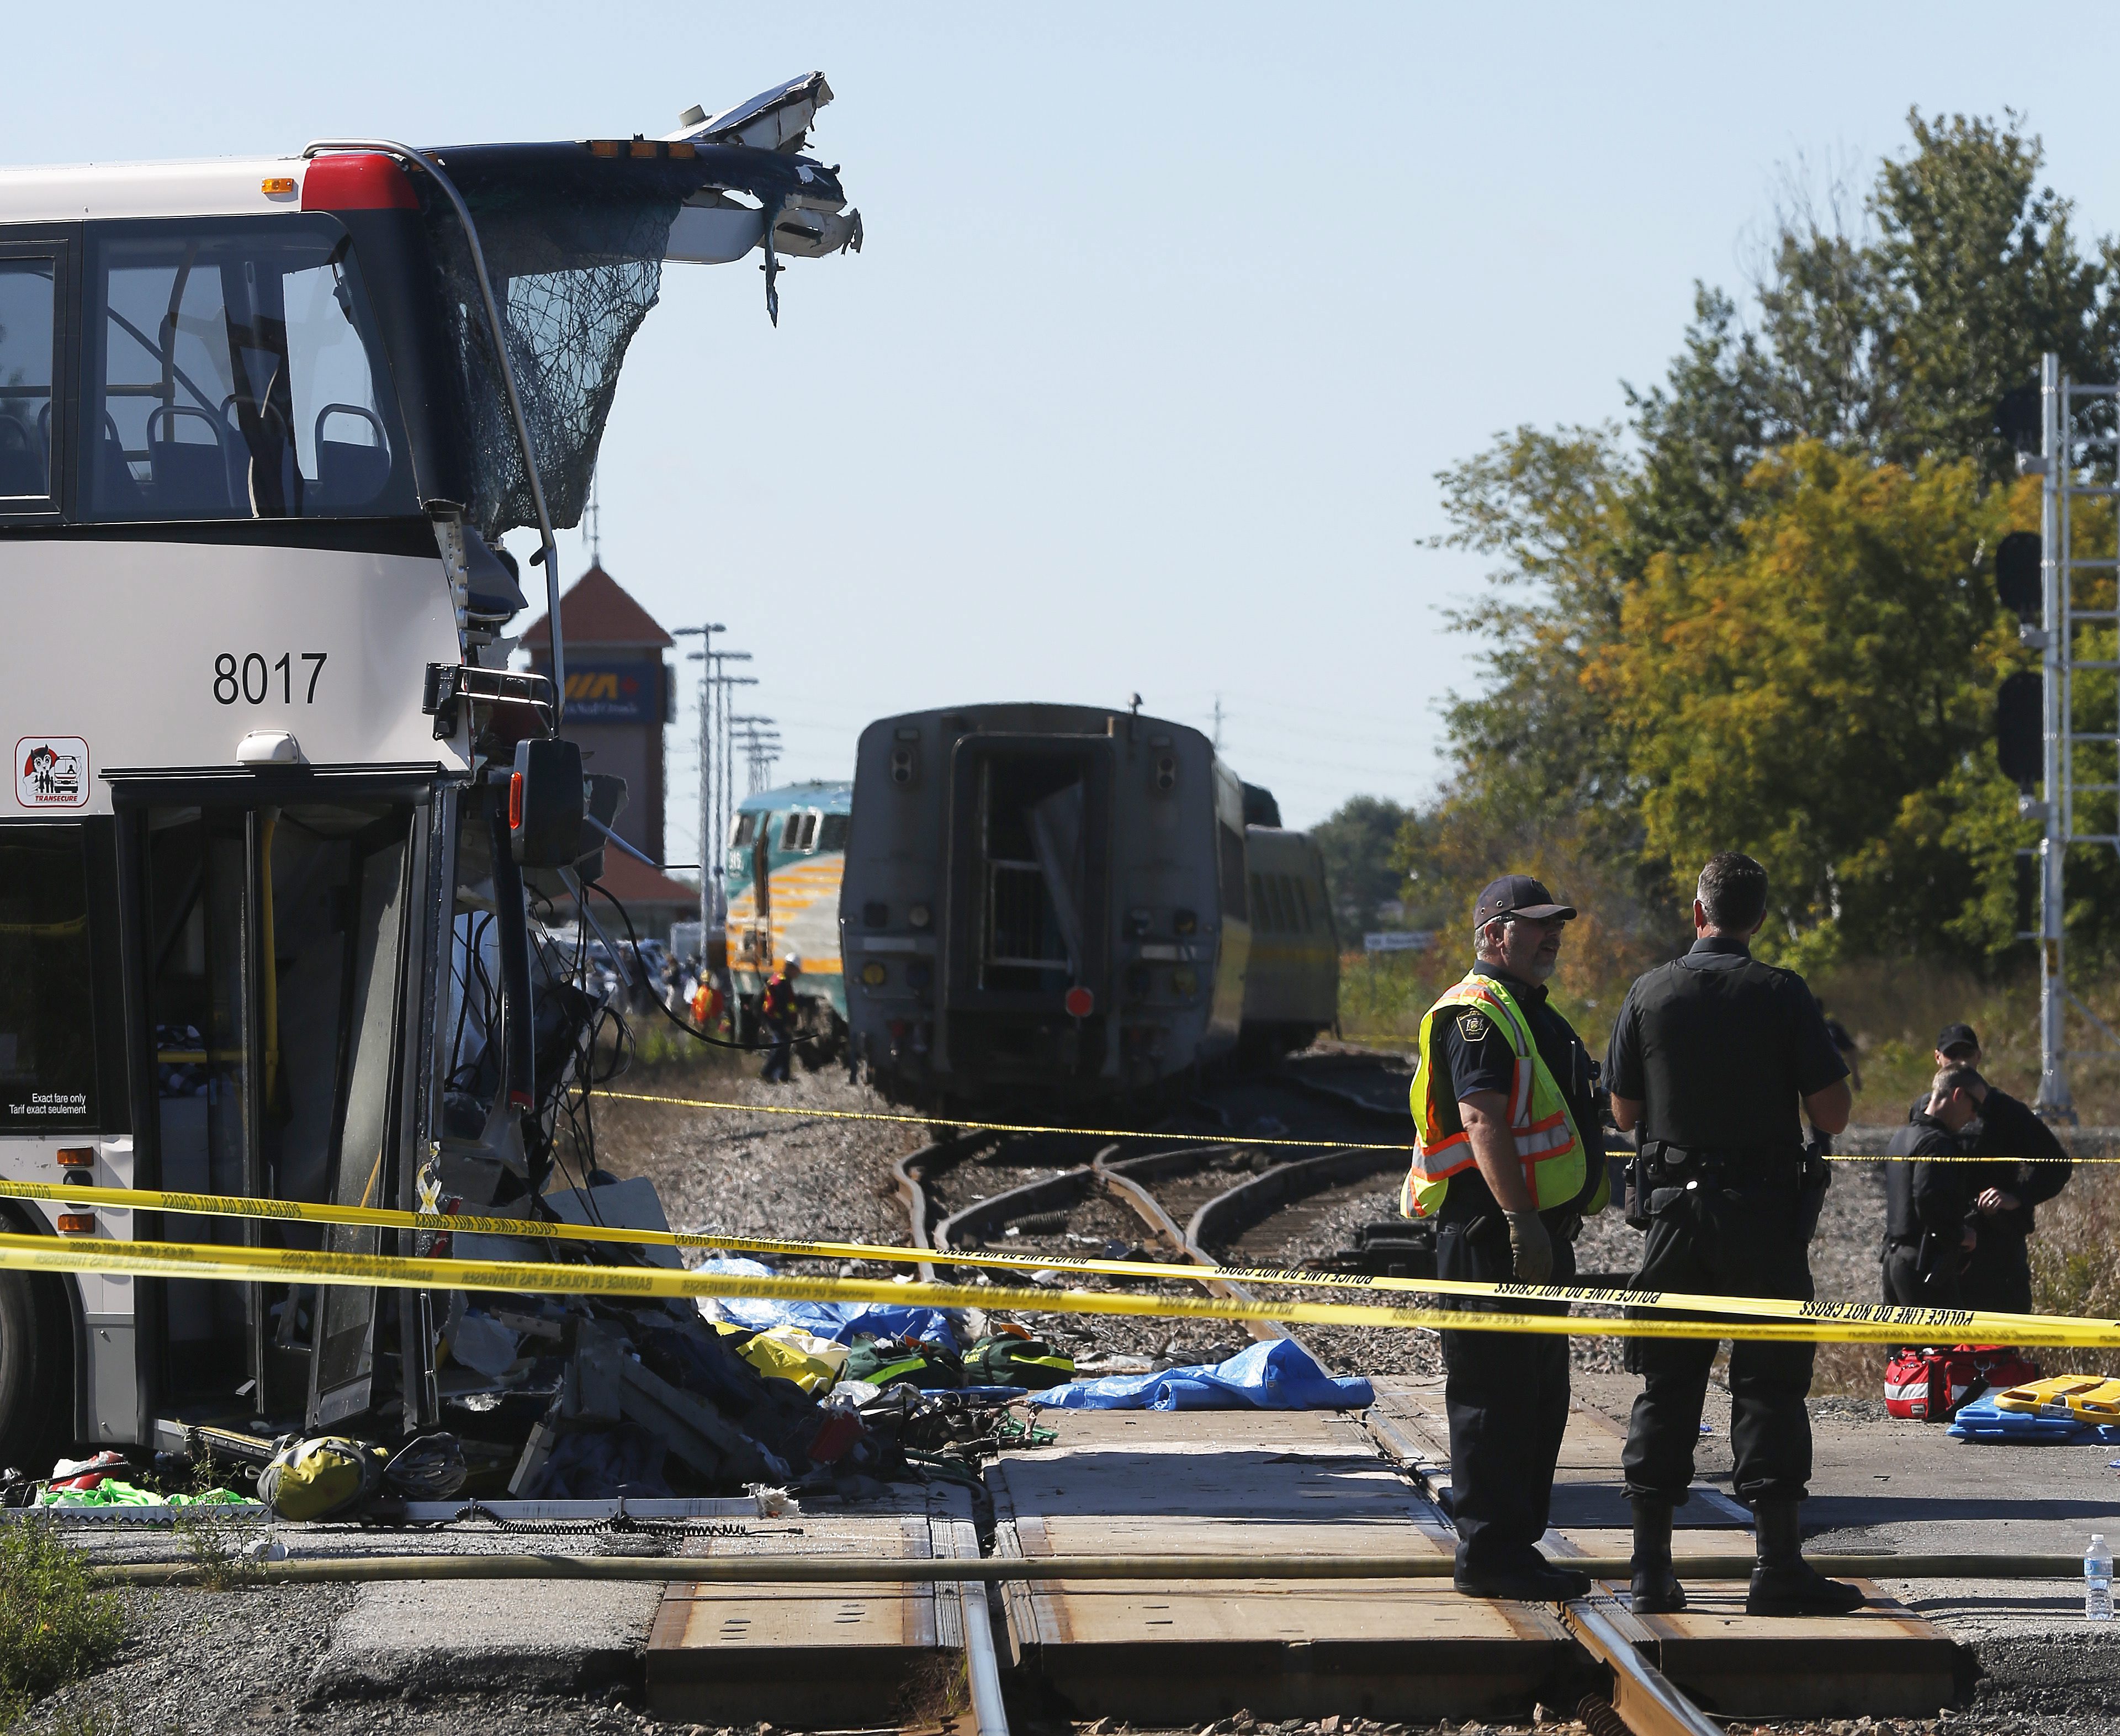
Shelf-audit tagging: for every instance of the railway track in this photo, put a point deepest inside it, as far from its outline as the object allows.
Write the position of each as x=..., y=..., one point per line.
x=1210, y=1204
x=1172, y=1201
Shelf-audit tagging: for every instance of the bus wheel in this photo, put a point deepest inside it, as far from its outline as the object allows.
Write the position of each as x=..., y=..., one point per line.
x=36, y=1360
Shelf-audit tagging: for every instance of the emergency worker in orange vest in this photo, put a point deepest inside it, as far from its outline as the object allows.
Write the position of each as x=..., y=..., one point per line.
x=1510, y=1158
x=776, y=1008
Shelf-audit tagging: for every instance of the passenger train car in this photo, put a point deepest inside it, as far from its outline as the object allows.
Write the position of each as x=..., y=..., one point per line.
x=786, y=850
x=1292, y=975
x=1063, y=903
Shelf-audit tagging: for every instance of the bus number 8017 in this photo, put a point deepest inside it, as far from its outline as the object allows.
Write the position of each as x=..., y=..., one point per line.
x=252, y=679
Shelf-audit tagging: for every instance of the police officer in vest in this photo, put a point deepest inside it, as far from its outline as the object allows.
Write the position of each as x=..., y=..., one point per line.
x=1510, y=1156
x=1710, y=1056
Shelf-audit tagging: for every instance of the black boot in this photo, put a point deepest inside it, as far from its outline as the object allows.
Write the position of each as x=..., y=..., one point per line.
x=1656, y=1589
x=1784, y=1583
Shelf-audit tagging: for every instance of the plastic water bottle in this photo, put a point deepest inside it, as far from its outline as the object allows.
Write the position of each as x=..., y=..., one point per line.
x=2098, y=1579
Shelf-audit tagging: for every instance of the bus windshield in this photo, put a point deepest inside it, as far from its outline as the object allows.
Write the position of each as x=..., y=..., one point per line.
x=232, y=372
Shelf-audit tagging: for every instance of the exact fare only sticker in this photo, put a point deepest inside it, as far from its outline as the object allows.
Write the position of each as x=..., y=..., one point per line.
x=51, y=771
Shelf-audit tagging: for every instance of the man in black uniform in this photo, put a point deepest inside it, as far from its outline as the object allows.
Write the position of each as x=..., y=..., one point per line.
x=1710, y=1055
x=1506, y=1393
x=1927, y=1240
x=1956, y=1045
x=2031, y=1166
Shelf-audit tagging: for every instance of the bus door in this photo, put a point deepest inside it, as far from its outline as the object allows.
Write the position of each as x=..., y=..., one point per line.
x=272, y=947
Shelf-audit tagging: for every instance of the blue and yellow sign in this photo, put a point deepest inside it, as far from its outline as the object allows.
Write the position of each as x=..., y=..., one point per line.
x=614, y=693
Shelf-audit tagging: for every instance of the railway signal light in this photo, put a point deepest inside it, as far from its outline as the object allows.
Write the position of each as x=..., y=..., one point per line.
x=2017, y=579
x=2020, y=704
x=2017, y=418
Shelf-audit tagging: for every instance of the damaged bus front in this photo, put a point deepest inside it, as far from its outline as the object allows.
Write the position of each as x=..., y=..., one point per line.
x=265, y=902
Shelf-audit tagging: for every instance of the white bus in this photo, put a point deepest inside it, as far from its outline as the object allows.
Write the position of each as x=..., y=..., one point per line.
x=262, y=425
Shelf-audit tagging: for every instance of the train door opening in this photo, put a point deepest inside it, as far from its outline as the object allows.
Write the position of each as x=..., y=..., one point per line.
x=1029, y=891
x=1031, y=873
x=273, y=951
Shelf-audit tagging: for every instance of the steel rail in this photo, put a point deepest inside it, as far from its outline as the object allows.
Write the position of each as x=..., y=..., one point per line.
x=1122, y=1176
x=1642, y=1694
x=1146, y=1569
x=910, y=1173
x=549, y=553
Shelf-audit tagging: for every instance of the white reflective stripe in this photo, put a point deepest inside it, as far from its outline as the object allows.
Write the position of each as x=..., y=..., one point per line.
x=1553, y=1139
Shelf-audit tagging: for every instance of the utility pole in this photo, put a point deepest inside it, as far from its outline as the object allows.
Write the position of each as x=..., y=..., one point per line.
x=715, y=790
x=725, y=811
x=2055, y=1102
x=705, y=634
x=1218, y=723
x=761, y=747
x=2069, y=468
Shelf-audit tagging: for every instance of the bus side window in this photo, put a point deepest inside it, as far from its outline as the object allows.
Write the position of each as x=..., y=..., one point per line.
x=26, y=327
x=48, y=1079
x=231, y=374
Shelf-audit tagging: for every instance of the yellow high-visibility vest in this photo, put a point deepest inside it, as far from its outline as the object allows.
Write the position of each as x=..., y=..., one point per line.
x=1547, y=1143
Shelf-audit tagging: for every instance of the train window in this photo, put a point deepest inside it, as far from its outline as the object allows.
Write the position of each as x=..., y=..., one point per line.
x=832, y=832
x=1289, y=921
x=791, y=830
x=1232, y=875
x=232, y=372
x=746, y=826
x=808, y=840
x=1261, y=909
x=47, y=1022
x=1302, y=905
x=27, y=327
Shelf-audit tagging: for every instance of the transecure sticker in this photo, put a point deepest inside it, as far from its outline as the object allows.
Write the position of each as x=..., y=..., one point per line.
x=51, y=771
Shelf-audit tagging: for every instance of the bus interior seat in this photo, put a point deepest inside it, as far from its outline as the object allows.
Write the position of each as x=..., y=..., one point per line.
x=190, y=477
x=22, y=466
x=115, y=487
x=349, y=475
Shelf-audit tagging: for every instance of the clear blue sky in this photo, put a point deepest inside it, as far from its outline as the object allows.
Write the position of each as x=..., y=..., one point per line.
x=1167, y=318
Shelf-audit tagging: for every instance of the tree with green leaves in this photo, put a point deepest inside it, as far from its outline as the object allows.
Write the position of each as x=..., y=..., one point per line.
x=1758, y=614
x=1357, y=842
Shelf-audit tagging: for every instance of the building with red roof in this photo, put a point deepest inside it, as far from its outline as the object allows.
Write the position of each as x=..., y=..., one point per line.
x=620, y=695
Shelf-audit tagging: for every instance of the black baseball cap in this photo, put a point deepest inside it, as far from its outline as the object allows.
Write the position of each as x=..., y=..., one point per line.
x=1517, y=895
x=1956, y=1036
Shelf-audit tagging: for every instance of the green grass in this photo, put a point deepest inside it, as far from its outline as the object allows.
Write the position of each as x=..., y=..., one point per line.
x=54, y=1628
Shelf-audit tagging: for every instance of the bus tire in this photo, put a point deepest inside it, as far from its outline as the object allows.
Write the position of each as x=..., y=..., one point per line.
x=36, y=1366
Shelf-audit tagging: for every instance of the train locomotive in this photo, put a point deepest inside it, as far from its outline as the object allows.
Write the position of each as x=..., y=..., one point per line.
x=785, y=851
x=1060, y=904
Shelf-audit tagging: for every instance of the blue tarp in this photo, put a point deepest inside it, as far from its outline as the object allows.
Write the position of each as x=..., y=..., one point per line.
x=838, y=1323
x=1277, y=1376
x=1983, y=1420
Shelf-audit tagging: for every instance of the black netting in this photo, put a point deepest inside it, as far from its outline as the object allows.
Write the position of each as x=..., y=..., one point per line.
x=574, y=278
x=575, y=241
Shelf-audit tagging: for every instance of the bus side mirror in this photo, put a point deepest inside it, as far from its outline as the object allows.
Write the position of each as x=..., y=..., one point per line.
x=545, y=804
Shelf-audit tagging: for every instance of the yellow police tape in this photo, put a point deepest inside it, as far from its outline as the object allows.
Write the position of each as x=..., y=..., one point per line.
x=1835, y=1323
x=1881, y=1324
x=1113, y=1132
